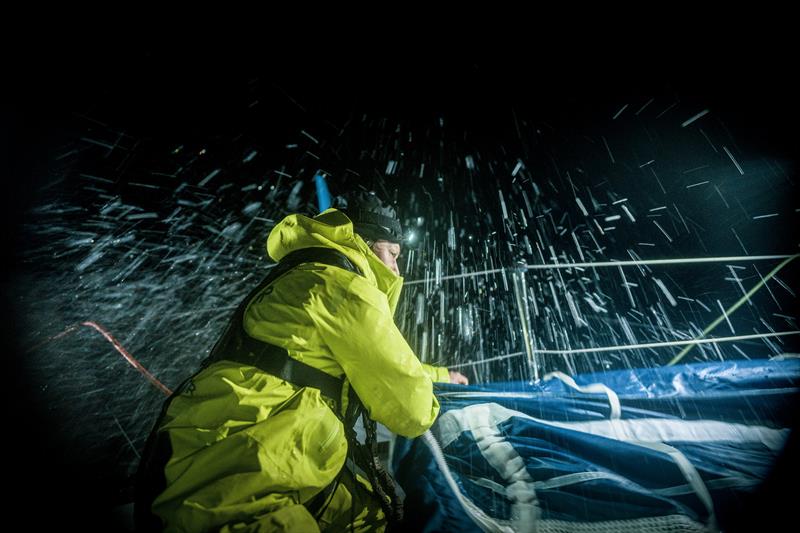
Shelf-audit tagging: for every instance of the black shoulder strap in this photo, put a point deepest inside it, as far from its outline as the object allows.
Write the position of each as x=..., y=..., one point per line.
x=236, y=345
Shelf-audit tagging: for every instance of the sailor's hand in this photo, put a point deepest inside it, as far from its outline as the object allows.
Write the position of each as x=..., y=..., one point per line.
x=458, y=378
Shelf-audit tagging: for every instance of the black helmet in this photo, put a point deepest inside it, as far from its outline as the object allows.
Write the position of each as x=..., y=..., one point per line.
x=372, y=219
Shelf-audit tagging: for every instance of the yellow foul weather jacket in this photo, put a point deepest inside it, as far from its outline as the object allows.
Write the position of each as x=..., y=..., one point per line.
x=249, y=449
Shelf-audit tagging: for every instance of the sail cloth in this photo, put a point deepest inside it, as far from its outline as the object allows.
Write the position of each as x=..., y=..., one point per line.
x=658, y=449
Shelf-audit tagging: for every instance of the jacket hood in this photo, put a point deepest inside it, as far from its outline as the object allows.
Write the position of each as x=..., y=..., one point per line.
x=332, y=229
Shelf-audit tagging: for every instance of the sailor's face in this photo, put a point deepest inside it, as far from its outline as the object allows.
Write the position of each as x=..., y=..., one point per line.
x=388, y=252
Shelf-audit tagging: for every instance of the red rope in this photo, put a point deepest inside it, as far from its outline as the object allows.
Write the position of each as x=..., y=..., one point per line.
x=128, y=357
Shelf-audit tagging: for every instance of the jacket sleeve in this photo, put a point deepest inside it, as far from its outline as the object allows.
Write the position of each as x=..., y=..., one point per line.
x=438, y=374
x=355, y=322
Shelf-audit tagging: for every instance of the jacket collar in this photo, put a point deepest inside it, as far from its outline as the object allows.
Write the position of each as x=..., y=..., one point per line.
x=333, y=229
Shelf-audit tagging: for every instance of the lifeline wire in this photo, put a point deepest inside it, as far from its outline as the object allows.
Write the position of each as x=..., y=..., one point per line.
x=727, y=312
x=600, y=264
x=633, y=346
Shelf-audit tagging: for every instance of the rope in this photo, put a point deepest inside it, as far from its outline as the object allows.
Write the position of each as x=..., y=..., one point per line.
x=114, y=342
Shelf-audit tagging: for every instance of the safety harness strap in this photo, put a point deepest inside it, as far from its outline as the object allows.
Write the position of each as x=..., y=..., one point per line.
x=236, y=345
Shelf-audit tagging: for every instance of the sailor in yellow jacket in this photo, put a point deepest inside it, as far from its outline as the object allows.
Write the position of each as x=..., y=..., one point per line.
x=248, y=451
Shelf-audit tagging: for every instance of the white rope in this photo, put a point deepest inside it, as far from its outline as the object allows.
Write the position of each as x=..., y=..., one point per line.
x=690, y=473
x=478, y=516
x=597, y=388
